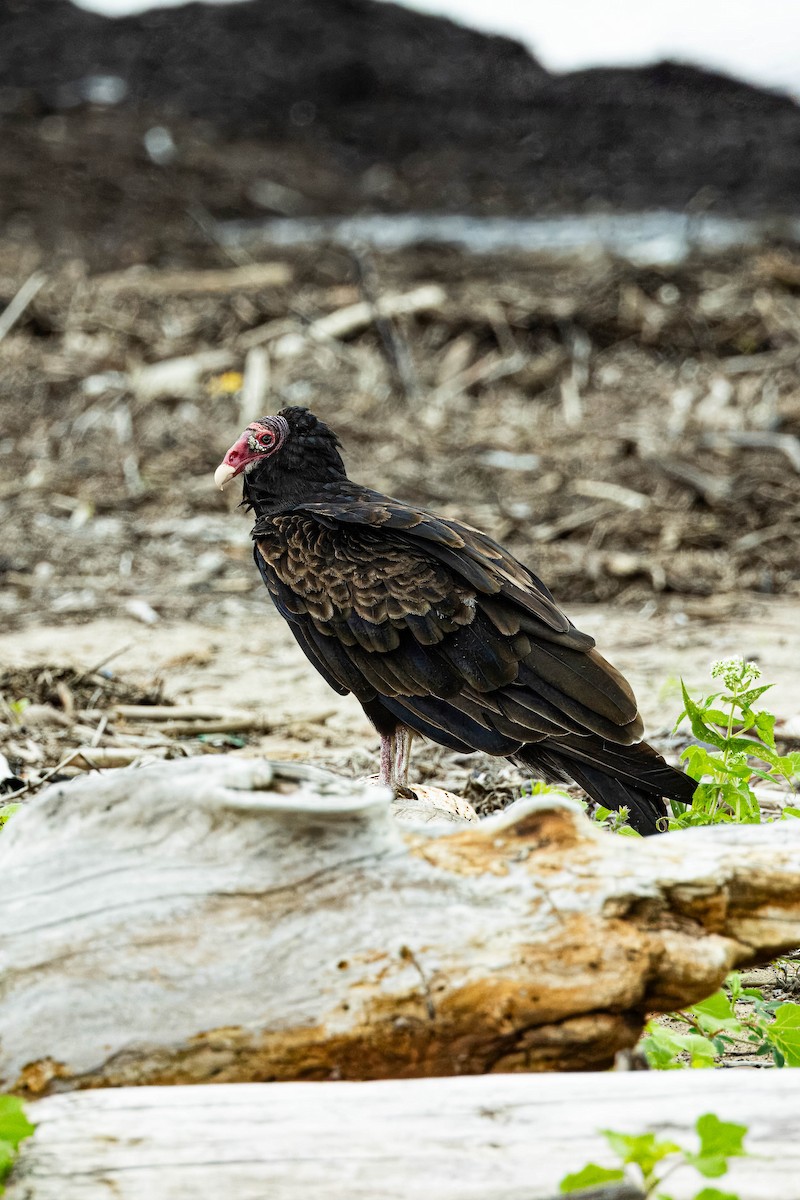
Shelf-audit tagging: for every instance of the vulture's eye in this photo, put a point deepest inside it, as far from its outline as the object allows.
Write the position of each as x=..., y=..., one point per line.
x=264, y=440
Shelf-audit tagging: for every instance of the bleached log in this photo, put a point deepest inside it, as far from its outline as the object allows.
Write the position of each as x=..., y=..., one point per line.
x=343, y=322
x=231, y=920
x=192, y=283
x=178, y=376
x=508, y=1137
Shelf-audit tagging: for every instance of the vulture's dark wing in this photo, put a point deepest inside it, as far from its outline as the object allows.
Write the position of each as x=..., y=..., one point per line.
x=440, y=625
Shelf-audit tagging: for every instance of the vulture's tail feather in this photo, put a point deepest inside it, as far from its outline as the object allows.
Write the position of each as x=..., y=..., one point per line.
x=641, y=791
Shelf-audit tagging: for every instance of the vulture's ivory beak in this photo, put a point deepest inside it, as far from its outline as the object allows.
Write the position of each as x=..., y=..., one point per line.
x=223, y=475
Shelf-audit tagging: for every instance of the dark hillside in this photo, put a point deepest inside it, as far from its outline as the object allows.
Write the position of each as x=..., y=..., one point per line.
x=363, y=104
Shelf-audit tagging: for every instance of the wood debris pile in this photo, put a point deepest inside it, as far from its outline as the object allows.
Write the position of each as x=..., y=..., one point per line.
x=631, y=432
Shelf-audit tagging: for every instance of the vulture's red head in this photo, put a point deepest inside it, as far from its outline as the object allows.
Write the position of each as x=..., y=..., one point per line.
x=262, y=439
x=289, y=448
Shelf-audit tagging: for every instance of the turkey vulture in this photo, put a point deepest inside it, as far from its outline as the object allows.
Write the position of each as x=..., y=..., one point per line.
x=435, y=628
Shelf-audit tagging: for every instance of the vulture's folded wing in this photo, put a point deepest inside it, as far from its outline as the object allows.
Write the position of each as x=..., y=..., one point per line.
x=447, y=629
x=472, y=555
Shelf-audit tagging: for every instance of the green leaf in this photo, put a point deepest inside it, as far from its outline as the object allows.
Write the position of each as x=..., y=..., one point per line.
x=6, y=811
x=787, y=765
x=765, y=724
x=716, y=715
x=747, y=720
x=716, y=1013
x=701, y=731
x=719, y=1141
x=744, y=745
x=790, y=812
x=713, y=1193
x=733, y=983
x=745, y=700
x=702, y=1051
x=784, y=1032
x=14, y=1125
x=661, y=1047
x=699, y=761
x=591, y=1175
x=643, y=1149
x=720, y=1137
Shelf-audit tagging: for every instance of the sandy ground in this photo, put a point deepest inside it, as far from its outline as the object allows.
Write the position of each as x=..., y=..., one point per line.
x=251, y=664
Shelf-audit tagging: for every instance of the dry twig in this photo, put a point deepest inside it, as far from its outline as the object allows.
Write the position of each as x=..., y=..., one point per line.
x=755, y=439
x=16, y=307
x=192, y=283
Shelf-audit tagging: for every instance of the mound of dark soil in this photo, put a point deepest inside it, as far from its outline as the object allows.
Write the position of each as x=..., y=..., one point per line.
x=445, y=117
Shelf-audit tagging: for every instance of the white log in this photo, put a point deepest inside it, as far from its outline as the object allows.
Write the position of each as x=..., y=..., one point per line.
x=177, y=376
x=226, y=919
x=507, y=1137
x=192, y=283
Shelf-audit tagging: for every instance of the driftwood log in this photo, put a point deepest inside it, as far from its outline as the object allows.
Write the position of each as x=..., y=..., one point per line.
x=507, y=1137
x=222, y=919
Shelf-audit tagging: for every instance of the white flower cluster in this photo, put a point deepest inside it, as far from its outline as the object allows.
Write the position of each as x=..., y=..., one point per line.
x=735, y=672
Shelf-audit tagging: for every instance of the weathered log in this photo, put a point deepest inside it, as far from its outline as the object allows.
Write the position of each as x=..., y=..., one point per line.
x=508, y=1137
x=231, y=920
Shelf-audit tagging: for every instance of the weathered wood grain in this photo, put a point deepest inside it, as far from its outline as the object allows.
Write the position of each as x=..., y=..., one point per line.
x=507, y=1137
x=226, y=920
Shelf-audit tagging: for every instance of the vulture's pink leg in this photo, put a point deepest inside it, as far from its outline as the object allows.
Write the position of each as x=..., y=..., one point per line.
x=387, y=759
x=402, y=755
x=395, y=758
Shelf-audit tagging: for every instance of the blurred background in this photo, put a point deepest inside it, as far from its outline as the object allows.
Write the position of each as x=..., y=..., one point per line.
x=540, y=270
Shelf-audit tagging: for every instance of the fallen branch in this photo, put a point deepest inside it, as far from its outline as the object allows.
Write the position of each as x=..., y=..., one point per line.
x=353, y=317
x=599, y=489
x=712, y=488
x=231, y=725
x=178, y=376
x=229, y=919
x=194, y=283
x=770, y=360
x=98, y=758
x=569, y=522
x=178, y=712
x=508, y=1137
x=17, y=305
x=190, y=721
x=752, y=439
x=488, y=369
x=255, y=386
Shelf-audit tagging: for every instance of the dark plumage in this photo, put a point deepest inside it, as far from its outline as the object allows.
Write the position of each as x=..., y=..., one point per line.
x=435, y=628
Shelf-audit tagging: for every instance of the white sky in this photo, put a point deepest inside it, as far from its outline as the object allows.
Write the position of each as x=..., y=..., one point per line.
x=758, y=40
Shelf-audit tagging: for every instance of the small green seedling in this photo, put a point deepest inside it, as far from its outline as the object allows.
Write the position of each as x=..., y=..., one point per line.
x=6, y=811
x=614, y=820
x=646, y=1161
x=14, y=1128
x=713, y=1026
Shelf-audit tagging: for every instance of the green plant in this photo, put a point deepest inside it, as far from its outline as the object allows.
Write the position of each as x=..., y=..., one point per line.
x=614, y=820
x=735, y=743
x=14, y=1128
x=17, y=707
x=711, y=1027
x=6, y=811
x=646, y=1161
